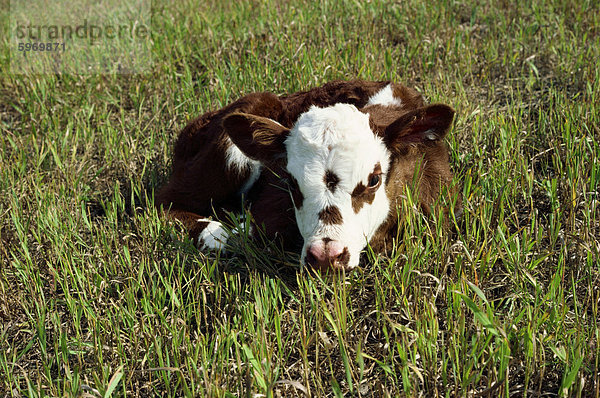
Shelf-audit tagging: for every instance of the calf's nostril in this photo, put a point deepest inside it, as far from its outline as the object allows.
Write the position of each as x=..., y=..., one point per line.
x=342, y=259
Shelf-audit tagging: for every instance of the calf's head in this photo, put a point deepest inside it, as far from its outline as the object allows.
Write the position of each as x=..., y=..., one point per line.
x=339, y=161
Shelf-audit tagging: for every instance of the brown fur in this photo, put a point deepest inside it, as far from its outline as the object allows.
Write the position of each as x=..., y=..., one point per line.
x=262, y=129
x=331, y=216
x=362, y=194
x=277, y=218
x=331, y=180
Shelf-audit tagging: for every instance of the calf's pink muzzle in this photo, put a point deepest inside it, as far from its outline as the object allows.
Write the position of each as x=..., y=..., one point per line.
x=326, y=254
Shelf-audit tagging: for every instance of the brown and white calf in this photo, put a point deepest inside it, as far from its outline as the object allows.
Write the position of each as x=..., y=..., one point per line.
x=324, y=168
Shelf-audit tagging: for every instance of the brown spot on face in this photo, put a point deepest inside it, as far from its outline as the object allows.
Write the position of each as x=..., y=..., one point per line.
x=331, y=215
x=331, y=180
x=360, y=196
x=366, y=194
x=297, y=196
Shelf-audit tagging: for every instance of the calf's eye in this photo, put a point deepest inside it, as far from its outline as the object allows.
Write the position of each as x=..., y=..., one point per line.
x=374, y=180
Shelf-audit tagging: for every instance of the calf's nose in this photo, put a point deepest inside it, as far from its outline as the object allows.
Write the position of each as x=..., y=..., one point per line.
x=328, y=254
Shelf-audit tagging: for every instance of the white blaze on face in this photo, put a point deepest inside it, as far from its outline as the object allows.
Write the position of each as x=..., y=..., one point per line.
x=331, y=151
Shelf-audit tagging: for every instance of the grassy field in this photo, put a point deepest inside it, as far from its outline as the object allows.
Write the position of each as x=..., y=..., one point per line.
x=100, y=296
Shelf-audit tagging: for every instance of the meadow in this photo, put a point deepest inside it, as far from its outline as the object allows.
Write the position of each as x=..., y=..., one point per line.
x=101, y=296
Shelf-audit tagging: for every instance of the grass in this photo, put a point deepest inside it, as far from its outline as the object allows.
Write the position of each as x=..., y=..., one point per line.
x=100, y=296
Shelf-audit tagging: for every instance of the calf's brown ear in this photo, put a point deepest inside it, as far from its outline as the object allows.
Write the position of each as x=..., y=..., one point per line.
x=260, y=138
x=426, y=125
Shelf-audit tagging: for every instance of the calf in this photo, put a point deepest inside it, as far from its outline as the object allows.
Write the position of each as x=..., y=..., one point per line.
x=326, y=168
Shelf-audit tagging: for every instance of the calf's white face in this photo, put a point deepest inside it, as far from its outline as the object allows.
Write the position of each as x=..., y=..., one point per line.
x=338, y=167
